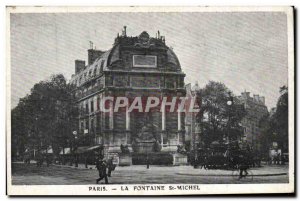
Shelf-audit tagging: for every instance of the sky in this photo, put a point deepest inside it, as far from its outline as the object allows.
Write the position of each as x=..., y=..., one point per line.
x=246, y=51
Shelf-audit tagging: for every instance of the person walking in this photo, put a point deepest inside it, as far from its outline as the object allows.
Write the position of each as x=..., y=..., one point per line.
x=243, y=165
x=101, y=167
x=110, y=167
x=39, y=159
x=48, y=160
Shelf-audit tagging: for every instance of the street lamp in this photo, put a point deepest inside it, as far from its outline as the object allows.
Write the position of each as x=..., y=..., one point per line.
x=229, y=103
x=75, y=147
x=195, y=131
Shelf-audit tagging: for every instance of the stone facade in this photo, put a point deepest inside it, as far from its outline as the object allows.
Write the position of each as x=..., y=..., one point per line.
x=255, y=110
x=141, y=66
x=192, y=126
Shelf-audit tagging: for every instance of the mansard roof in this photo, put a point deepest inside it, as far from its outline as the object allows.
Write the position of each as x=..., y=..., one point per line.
x=105, y=61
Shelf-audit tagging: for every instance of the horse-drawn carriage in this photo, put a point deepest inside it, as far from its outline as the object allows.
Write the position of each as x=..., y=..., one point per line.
x=222, y=156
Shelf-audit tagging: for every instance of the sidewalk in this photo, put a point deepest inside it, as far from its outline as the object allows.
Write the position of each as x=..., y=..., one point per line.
x=258, y=171
x=80, y=166
x=266, y=170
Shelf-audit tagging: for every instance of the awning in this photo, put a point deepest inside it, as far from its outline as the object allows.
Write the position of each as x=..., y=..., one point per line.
x=49, y=151
x=94, y=147
x=29, y=150
x=67, y=151
x=81, y=150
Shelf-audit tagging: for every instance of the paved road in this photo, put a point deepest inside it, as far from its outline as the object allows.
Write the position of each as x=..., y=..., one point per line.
x=30, y=174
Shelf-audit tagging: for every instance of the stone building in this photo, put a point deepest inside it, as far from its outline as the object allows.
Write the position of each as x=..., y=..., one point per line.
x=140, y=66
x=255, y=109
x=192, y=126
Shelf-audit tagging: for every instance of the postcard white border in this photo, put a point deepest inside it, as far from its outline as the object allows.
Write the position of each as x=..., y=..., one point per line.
x=204, y=188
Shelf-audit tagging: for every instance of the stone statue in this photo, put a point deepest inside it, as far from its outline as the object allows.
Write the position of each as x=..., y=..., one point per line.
x=145, y=139
x=124, y=149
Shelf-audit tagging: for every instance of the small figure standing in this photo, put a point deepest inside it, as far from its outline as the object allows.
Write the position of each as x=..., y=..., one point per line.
x=148, y=162
x=27, y=159
x=101, y=167
x=244, y=165
x=48, y=160
x=110, y=166
x=39, y=160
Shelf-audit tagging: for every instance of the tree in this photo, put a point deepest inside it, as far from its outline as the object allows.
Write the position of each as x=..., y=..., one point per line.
x=266, y=136
x=217, y=118
x=281, y=119
x=45, y=117
x=274, y=127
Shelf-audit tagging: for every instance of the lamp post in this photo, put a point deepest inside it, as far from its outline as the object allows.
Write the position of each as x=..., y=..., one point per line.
x=230, y=105
x=196, y=128
x=75, y=147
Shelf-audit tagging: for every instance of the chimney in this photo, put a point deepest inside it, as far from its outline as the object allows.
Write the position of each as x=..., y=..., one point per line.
x=93, y=55
x=125, y=34
x=256, y=98
x=262, y=99
x=79, y=65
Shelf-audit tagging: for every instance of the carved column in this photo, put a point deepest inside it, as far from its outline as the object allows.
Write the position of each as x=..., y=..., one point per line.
x=127, y=119
x=111, y=115
x=163, y=117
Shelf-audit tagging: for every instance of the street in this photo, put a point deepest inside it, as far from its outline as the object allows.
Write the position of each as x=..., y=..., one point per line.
x=23, y=174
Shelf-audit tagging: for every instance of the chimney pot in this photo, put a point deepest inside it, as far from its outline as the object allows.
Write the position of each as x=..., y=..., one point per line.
x=93, y=55
x=79, y=65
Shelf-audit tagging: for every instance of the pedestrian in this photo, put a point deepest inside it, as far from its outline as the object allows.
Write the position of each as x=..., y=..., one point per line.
x=27, y=159
x=101, y=167
x=147, y=162
x=243, y=166
x=48, y=160
x=39, y=160
x=110, y=167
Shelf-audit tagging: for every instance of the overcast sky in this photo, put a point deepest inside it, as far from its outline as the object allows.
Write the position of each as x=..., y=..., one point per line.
x=246, y=51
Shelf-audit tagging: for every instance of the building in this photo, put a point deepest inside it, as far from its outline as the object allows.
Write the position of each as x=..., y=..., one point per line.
x=255, y=109
x=140, y=66
x=192, y=126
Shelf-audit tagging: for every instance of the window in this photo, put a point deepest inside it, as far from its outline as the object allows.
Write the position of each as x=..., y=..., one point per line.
x=120, y=81
x=106, y=121
x=100, y=82
x=86, y=108
x=144, y=61
x=92, y=125
x=109, y=80
x=98, y=140
x=171, y=82
x=165, y=139
x=81, y=126
x=145, y=81
x=87, y=124
x=98, y=103
x=92, y=106
x=102, y=65
x=98, y=124
x=180, y=82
